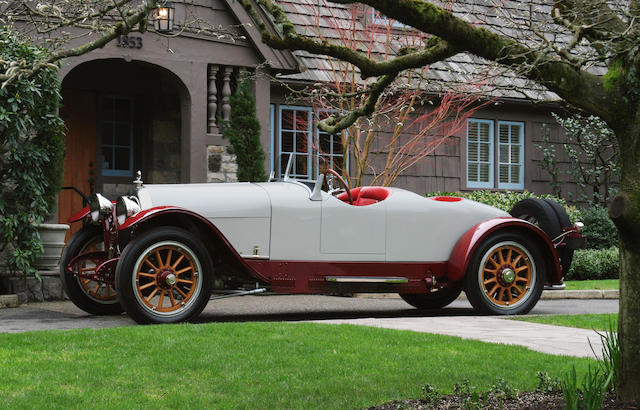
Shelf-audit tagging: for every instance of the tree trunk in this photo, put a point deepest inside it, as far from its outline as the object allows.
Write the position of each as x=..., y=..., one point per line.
x=625, y=213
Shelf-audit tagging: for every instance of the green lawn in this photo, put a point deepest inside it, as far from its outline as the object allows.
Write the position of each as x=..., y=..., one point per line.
x=251, y=365
x=593, y=284
x=591, y=321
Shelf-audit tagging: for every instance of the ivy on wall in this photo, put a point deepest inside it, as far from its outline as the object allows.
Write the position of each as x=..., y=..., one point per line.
x=31, y=153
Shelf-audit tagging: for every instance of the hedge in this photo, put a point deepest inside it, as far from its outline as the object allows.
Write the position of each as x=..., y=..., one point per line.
x=506, y=200
x=594, y=264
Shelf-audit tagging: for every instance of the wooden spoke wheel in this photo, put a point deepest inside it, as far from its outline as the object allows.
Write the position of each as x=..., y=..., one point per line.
x=98, y=289
x=167, y=277
x=506, y=274
x=164, y=275
x=92, y=293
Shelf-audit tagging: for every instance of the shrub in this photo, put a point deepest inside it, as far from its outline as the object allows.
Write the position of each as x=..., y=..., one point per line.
x=243, y=131
x=594, y=264
x=506, y=200
x=31, y=153
x=599, y=229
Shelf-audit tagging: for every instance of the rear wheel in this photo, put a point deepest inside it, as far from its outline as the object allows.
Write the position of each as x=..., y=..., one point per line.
x=432, y=300
x=164, y=276
x=506, y=275
x=91, y=294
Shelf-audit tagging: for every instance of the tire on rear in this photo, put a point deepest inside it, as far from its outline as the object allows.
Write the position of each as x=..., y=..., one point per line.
x=549, y=216
x=488, y=292
x=82, y=296
x=432, y=300
x=565, y=254
x=164, y=266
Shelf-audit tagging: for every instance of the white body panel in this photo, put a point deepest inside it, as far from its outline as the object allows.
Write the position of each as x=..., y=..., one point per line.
x=360, y=231
x=281, y=220
x=242, y=211
x=422, y=229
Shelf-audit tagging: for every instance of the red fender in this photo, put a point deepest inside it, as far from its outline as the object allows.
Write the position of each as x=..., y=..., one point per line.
x=151, y=213
x=80, y=215
x=469, y=241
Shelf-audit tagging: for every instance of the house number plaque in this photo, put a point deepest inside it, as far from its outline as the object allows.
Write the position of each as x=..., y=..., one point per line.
x=129, y=42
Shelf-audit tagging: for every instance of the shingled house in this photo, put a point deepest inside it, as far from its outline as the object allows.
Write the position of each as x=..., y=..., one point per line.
x=153, y=103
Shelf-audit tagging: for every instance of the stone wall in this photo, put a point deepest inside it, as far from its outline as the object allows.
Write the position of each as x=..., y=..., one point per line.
x=30, y=289
x=221, y=164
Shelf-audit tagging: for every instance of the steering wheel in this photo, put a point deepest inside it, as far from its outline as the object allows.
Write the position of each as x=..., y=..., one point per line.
x=344, y=184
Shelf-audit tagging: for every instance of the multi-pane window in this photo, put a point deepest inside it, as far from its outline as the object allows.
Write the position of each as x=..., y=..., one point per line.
x=482, y=161
x=330, y=153
x=117, y=136
x=480, y=154
x=295, y=139
x=510, y=155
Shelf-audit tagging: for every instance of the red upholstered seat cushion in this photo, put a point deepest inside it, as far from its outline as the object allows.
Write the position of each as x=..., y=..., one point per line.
x=354, y=195
x=375, y=192
x=363, y=196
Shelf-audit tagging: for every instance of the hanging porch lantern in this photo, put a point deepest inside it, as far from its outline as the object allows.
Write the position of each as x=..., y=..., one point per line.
x=163, y=18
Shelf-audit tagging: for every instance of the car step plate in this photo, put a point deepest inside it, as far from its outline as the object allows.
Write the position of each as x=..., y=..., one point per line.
x=366, y=279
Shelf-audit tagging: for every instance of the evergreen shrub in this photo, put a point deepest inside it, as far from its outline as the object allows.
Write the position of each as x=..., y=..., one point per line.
x=591, y=264
x=243, y=132
x=599, y=229
x=31, y=153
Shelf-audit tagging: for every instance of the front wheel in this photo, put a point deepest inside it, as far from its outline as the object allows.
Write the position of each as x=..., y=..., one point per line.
x=164, y=276
x=506, y=275
x=432, y=300
x=89, y=291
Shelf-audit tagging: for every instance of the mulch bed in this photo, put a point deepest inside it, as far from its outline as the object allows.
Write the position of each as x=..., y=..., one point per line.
x=524, y=400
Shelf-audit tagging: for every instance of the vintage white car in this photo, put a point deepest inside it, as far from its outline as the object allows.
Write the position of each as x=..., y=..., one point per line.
x=157, y=254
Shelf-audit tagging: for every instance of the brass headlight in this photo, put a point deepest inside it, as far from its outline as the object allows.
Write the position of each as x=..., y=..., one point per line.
x=126, y=207
x=100, y=207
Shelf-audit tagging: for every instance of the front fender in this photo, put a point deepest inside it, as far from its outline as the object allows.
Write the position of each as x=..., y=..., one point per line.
x=470, y=240
x=211, y=231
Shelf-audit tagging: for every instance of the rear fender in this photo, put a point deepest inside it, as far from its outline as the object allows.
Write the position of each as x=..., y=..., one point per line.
x=211, y=236
x=470, y=240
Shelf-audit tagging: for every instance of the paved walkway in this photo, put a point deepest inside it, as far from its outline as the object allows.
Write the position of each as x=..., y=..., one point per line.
x=550, y=339
x=456, y=320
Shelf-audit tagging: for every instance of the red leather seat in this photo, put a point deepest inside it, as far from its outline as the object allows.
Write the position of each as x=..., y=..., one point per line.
x=363, y=196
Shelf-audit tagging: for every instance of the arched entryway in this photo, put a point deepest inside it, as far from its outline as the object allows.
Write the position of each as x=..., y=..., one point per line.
x=121, y=117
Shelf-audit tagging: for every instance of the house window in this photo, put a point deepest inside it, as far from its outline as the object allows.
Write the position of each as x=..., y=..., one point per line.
x=330, y=153
x=117, y=136
x=272, y=136
x=296, y=139
x=482, y=161
x=479, y=154
x=510, y=155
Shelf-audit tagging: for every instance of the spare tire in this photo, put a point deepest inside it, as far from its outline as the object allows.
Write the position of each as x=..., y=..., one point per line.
x=565, y=254
x=549, y=216
x=540, y=213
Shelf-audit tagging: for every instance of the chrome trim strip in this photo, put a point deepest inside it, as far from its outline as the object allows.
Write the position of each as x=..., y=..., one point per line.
x=366, y=279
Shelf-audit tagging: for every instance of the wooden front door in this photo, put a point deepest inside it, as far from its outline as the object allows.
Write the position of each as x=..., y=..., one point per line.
x=79, y=114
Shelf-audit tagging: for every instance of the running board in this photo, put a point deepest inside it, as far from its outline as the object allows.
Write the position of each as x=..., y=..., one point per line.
x=366, y=279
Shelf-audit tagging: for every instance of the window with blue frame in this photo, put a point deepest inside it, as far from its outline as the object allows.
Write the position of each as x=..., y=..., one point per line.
x=295, y=133
x=117, y=136
x=482, y=161
x=330, y=151
x=510, y=155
